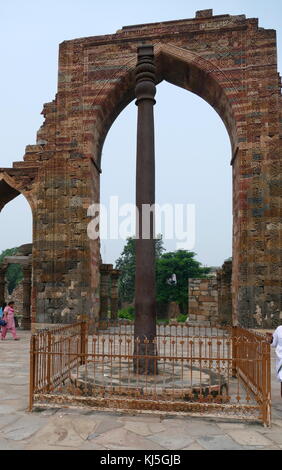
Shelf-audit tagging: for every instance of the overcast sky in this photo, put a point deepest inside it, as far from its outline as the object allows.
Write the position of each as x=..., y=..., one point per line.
x=192, y=146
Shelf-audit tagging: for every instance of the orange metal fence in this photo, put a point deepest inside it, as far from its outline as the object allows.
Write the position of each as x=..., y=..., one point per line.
x=211, y=370
x=252, y=364
x=53, y=354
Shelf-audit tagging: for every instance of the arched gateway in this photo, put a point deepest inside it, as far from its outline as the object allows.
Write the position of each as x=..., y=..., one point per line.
x=227, y=60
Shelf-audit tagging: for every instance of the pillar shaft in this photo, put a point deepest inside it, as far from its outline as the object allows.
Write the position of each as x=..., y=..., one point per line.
x=145, y=296
x=145, y=290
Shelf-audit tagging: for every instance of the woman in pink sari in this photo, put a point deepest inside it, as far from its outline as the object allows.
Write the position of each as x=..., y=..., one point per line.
x=9, y=318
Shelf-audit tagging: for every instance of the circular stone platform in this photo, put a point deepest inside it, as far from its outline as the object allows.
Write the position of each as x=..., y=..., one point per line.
x=174, y=381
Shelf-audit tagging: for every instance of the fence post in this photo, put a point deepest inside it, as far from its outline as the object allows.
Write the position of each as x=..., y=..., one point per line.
x=234, y=350
x=32, y=362
x=48, y=361
x=266, y=385
x=83, y=342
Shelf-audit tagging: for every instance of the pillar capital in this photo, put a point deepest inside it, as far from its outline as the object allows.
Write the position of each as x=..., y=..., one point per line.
x=145, y=88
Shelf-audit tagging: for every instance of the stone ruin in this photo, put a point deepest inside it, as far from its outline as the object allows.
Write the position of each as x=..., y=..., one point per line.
x=229, y=61
x=210, y=298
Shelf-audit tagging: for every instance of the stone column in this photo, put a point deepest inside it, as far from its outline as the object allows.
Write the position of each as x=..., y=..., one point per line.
x=105, y=279
x=225, y=297
x=114, y=293
x=145, y=292
x=2, y=284
x=26, y=320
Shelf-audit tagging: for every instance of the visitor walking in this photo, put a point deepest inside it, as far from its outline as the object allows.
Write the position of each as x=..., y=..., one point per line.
x=8, y=316
x=276, y=342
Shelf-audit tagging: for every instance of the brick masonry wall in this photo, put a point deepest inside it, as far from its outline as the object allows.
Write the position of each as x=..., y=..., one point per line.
x=230, y=62
x=224, y=286
x=211, y=298
x=17, y=297
x=203, y=299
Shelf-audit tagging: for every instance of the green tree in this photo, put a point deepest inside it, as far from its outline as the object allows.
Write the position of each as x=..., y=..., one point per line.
x=184, y=266
x=14, y=273
x=182, y=263
x=126, y=263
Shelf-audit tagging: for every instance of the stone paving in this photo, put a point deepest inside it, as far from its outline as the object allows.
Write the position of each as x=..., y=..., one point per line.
x=83, y=429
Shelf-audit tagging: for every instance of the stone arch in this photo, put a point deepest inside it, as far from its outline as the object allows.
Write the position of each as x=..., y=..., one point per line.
x=183, y=68
x=230, y=62
x=188, y=70
x=10, y=188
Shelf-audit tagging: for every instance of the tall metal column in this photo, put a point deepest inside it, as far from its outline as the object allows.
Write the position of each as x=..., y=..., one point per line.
x=145, y=296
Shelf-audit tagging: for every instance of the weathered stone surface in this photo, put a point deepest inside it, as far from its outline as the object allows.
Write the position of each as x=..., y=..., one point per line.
x=72, y=429
x=198, y=428
x=7, y=419
x=203, y=299
x=231, y=426
x=275, y=436
x=144, y=429
x=220, y=442
x=5, y=409
x=44, y=446
x=148, y=419
x=19, y=380
x=227, y=60
x=108, y=424
x=120, y=439
x=91, y=446
x=172, y=439
x=23, y=428
x=249, y=438
x=10, y=445
x=58, y=432
x=84, y=426
x=224, y=281
x=194, y=446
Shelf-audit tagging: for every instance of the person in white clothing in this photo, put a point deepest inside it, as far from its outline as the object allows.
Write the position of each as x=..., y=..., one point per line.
x=276, y=341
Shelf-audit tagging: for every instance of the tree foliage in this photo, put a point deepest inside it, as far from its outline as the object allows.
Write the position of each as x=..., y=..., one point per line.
x=14, y=273
x=182, y=263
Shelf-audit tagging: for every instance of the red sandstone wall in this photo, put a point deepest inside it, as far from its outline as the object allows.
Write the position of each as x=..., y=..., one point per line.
x=203, y=300
x=227, y=60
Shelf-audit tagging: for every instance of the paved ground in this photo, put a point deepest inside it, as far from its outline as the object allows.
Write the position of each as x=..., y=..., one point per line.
x=73, y=429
